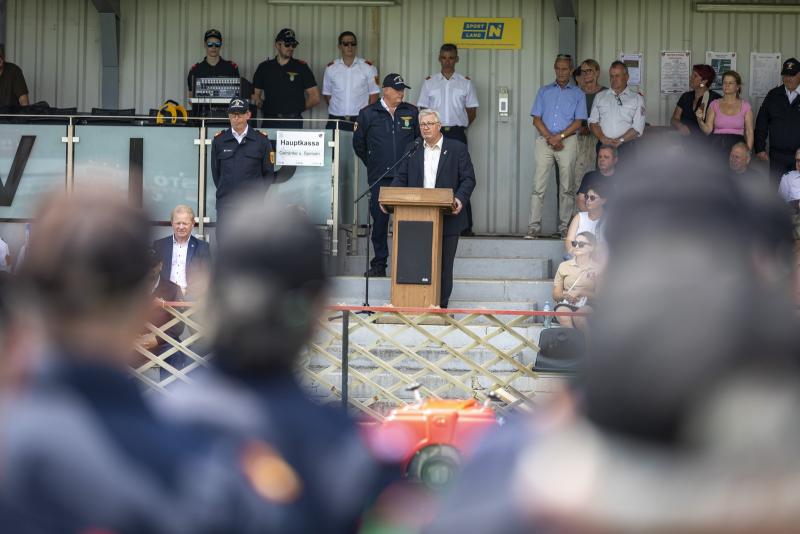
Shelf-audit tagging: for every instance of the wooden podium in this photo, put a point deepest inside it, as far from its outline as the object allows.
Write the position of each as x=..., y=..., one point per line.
x=417, y=243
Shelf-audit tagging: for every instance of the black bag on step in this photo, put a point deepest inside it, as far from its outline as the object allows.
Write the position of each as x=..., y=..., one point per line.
x=560, y=349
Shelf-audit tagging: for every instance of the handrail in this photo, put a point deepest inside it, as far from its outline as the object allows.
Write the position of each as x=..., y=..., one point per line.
x=151, y=117
x=411, y=310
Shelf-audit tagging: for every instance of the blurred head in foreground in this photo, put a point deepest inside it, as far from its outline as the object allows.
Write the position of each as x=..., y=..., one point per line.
x=86, y=274
x=696, y=291
x=267, y=287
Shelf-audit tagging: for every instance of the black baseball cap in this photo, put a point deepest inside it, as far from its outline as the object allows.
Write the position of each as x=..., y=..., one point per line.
x=213, y=33
x=238, y=105
x=395, y=81
x=790, y=67
x=286, y=35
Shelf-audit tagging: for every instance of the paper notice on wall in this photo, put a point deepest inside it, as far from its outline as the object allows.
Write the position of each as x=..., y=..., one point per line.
x=765, y=73
x=301, y=148
x=635, y=66
x=720, y=62
x=676, y=67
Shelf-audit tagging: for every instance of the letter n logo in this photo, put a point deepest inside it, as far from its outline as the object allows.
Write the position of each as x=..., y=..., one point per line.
x=8, y=190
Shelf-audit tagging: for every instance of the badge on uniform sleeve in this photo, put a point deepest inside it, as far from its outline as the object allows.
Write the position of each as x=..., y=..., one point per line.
x=269, y=474
x=272, y=157
x=292, y=75
x=406, y=120
x=355, y=126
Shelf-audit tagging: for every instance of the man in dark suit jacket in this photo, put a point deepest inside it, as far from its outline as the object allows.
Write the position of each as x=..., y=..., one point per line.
x=441, y=162
x=192, y=256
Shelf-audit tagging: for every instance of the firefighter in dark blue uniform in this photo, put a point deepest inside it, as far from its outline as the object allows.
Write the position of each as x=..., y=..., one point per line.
x=306, y=462
x=240, y=156
x=383, y=131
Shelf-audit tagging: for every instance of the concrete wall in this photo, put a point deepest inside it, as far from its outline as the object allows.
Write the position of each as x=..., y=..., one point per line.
x=57, y=44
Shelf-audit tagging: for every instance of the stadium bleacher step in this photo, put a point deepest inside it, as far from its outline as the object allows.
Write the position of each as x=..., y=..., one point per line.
x=351, y=288
x=475, y=267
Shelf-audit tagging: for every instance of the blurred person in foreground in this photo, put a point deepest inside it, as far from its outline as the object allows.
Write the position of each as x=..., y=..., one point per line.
x=79, y=449
x=683, y=415
x=309, y=469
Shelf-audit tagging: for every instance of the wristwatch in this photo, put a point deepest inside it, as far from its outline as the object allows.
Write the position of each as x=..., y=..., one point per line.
x=563, y=136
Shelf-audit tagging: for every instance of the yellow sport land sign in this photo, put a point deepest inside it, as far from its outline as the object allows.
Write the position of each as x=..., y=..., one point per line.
x=477, y=32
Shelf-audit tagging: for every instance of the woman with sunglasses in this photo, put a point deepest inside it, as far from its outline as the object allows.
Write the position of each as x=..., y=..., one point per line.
x=730, y=118
x=574, y=283
x=587, y=221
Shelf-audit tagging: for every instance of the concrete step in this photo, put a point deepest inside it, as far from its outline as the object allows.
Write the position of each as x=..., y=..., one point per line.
x=475, y=291
x=470, y=305
x=490, y=246
x=473, y=267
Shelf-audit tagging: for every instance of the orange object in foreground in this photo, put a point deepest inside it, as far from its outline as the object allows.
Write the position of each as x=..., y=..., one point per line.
x=436, y=435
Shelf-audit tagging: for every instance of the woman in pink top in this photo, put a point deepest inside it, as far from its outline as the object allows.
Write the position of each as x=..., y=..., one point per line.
x=730, y=118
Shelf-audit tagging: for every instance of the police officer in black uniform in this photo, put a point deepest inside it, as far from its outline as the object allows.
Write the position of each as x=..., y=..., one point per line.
x=284, y=86
x=240, y=156
x=383, y=131
x=212, y=66
x=779, y=119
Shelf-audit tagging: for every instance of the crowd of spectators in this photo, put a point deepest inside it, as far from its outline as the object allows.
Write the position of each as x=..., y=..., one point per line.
x=722, y=128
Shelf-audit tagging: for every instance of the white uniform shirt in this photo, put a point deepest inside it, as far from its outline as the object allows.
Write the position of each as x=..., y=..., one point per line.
x=449, y=97
x=618, y=113
x=349, y=87
x=177, y=273
x=3, y=253
x=239, y=137
x=791, y=94
x=790, y=186
x=432, y=155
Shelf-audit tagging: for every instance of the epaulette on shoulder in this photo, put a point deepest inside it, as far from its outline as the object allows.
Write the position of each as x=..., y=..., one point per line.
x=302, y=62
x=427, y=77
x=235, y=66
x=640, y=93
x=194, y=66
x=329, y=64
x=467, y=77
x=368, y=62
x=262, y=133
x=218, y=133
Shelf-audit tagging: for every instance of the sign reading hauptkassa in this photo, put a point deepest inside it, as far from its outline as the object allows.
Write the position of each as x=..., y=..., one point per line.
x=478, y=32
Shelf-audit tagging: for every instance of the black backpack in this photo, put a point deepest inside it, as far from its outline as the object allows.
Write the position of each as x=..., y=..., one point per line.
x=560, y=350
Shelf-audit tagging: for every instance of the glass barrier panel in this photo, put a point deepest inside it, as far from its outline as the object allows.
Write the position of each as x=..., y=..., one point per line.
x=41, y=166
x=169, y=162
x=308, y=187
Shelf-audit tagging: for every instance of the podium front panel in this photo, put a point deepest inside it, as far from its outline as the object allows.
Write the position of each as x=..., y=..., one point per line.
x=414, y=252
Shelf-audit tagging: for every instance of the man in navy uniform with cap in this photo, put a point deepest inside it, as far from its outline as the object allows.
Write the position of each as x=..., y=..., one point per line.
x=213, y=65
x=383, y=130
x=240, y=156
x=779, y=119
x=284, y=86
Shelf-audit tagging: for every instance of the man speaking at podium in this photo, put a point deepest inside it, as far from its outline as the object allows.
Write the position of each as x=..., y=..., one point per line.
x=441, y=162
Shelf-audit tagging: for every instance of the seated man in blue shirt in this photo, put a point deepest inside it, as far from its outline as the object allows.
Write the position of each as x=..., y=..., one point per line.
x=557, y=113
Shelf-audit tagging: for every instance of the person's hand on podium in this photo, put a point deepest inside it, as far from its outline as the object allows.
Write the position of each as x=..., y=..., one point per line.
x=457, y=206
x=383, y=209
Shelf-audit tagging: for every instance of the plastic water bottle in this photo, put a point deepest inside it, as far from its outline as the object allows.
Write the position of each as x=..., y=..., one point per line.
x=548, y=319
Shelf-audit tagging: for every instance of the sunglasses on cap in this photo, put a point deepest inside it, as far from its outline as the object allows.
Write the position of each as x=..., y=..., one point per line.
x=581, y=244
x=213, y=44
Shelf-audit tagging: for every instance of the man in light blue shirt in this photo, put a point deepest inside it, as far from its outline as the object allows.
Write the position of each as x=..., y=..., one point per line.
x=557, y=113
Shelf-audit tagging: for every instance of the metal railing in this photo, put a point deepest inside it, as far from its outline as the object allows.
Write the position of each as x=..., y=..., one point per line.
x=365, y=357
x=171, y=168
